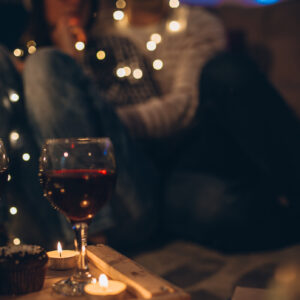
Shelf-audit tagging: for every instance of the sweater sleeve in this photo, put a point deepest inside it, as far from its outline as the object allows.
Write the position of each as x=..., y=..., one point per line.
x=163, y=116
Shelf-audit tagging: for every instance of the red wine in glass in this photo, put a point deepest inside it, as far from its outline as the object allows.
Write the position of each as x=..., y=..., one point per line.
x=78, y=193
x=3, y=180
x=3, y=166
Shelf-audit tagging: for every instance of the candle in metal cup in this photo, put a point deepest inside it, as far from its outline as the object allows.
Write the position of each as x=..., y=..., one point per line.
x=105, y=288
x=62, y=259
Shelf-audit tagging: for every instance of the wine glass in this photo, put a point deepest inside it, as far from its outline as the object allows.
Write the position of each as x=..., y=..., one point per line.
x=78, y=177
x=3, y=166
x=3, y=180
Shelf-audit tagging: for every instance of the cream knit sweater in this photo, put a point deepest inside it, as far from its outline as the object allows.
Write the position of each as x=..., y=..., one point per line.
x=184, y=54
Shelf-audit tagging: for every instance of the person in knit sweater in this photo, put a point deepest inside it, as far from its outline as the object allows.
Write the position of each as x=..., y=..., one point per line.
x=183, y=53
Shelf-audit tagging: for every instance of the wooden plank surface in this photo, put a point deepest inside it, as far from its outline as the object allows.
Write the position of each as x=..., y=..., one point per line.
x=119, y=267
x=243, y=293
x=103, y=259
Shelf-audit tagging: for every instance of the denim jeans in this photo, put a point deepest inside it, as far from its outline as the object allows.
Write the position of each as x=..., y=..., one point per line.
x=62, y=102
x=35, y=222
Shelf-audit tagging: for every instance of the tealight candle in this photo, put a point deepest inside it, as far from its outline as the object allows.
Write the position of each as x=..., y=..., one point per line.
x=105, y=289
x=62, y=259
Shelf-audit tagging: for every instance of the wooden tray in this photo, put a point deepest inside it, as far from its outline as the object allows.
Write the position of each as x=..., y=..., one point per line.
x=244, y=293
x=141, y=284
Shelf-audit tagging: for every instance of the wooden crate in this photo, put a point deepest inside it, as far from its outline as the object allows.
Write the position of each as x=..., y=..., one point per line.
x=141, y=284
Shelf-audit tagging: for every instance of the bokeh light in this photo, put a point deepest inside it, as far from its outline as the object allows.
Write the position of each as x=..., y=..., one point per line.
x=137, y=73
x=79, y=46
x=118, y=15
x=101, y=55
x=158, y=64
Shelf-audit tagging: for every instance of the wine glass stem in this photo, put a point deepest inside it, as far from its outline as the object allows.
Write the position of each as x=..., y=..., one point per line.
x=82, y=271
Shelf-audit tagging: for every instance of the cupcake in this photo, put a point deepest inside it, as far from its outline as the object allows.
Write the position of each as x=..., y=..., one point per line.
x=22, y=269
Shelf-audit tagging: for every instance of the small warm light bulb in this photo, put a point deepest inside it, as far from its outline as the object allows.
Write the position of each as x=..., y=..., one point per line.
x=121, y=4
x=137, y=73
x=151, y=45
x=121, y=72
x=14, y=97
x=79, y=46
x=8, y=177
x=127, y=71
x=174, y=3
x=100, y=55
x=13, y=210
x=31, y=49
x=30, y=43
x=174, y=26
x=156, y=37
x=26, y=157
x=17, y=241
x=118, y=15
x=14, y=136
x=158, y=64
x=103, y=281
x=18, y=52
x=84, y=203
x=59, y=249
x=66, y=154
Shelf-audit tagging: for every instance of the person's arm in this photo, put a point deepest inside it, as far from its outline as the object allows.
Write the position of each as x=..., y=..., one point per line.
x=163, y=116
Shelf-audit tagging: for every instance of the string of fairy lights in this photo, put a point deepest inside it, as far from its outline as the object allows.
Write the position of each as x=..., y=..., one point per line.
x=155, y=39
x=121, y=71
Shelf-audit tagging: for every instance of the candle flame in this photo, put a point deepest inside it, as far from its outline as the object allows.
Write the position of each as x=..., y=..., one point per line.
x=103, y=281
x=59, y=248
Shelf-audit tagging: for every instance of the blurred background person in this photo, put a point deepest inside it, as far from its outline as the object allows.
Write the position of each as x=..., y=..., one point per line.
x=198, y=159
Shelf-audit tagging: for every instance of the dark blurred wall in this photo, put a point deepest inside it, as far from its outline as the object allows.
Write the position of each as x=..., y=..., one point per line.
x=271, y=35
x=238, y=2
x=13, y=20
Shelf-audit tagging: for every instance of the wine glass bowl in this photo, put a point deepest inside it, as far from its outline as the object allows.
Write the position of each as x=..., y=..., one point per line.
x=4, y=161
x=78, y=177
x=3, y=165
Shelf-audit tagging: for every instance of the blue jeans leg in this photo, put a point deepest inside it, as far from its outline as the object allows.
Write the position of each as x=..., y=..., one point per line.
x=61, y=101
x=10, y=82
x=23, y=190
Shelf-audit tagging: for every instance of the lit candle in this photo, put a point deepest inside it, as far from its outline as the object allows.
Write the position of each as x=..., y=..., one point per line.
x=62, y=259
x=105, y=289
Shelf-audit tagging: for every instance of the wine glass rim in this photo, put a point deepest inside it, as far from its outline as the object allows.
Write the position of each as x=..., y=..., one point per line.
x=77, y=140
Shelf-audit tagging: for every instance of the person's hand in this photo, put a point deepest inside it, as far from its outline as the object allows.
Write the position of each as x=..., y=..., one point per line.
x=65, y=35
x=19, y=65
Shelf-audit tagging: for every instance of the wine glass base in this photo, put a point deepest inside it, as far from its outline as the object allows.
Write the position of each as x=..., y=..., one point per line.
x=69, y=287
x=82, y=276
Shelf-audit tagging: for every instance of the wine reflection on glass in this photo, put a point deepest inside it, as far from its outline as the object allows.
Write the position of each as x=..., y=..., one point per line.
x=4, y=161
x=78, y=177
x=3, y=166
